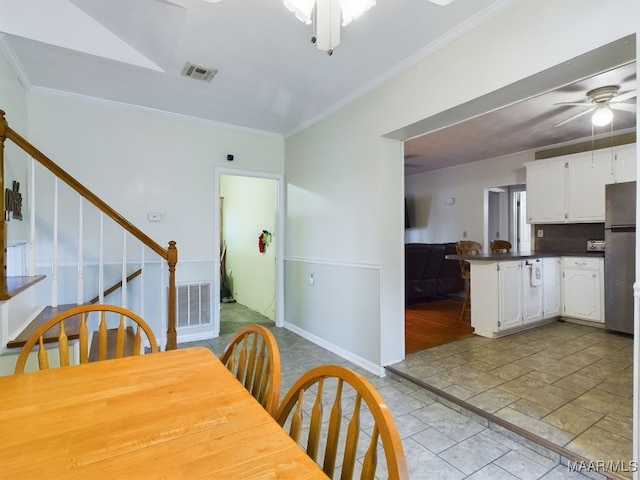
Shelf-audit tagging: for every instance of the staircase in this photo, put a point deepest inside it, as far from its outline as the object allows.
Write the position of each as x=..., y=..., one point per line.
x=77, y=243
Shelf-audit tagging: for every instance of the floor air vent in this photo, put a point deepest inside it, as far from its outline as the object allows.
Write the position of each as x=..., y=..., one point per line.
x=193, y=304
x=199, y=73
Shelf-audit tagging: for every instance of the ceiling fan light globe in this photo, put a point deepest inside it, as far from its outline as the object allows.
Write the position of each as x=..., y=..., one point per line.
x=602, y=116
x=303, y=9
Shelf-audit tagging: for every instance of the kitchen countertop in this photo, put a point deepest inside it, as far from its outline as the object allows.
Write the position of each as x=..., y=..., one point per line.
x=498, y=257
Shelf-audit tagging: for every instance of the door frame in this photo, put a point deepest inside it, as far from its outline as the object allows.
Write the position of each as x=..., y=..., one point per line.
x=277, y=234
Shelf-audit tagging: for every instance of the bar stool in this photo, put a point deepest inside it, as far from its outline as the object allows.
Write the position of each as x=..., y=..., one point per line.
x=500, y=246
x=466, y=247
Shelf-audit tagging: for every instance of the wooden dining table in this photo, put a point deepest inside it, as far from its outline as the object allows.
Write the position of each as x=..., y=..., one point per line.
x=172, y=415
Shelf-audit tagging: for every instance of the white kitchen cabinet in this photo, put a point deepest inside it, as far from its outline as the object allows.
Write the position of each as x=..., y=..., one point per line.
x=587, y=174
x=624, y=158
x=510, y=295
x=546, y=192
x=570, y=188
x=582, y=288
x=532, y=294
x=551, y=296
x=503, y=299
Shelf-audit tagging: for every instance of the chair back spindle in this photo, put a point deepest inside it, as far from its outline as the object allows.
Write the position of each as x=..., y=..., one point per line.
x=73, y=323
x=253, y=357
x=351, y=397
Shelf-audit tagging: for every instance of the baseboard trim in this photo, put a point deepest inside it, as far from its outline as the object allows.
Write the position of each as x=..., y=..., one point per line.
x=359, y=361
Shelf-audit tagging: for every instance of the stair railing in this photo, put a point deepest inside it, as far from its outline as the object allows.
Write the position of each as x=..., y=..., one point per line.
x=169, y=254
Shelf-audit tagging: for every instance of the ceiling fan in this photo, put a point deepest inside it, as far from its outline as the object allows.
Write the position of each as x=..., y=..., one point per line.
x=602, y=101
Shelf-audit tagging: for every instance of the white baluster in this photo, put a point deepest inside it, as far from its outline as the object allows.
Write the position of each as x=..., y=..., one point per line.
x=124, y=268
x=80, y=299
x=101, y=262
x=54, y=263
x=142, y=279
x=32, y=220
x=164, y=267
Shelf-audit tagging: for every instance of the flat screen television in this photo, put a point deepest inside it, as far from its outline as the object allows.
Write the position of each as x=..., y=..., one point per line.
x=407, y=220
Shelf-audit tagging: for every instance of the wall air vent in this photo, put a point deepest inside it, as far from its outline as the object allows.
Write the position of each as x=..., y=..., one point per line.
x=193, y=304
x=199, y=73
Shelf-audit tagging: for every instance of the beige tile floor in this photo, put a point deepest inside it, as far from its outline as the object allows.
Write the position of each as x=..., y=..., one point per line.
x=439, y=442
x=567, y=383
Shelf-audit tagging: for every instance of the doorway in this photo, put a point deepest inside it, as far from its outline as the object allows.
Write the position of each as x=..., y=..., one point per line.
x=506, y=216
x=248, y=216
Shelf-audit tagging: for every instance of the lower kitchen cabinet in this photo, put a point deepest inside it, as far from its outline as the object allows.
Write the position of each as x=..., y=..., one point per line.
x=552, y=296
x=532, y=291
x=582, y=288
x=510, y=312
x=507, y=296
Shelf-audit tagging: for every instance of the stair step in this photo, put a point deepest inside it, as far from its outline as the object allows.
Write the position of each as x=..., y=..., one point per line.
x=71, y=326
x=14, y=285
x=129, y=337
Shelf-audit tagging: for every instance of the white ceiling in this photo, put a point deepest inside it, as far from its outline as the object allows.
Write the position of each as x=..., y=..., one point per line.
x=271, y=78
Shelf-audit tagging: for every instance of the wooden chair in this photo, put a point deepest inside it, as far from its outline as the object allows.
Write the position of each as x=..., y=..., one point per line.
x=253, y=357
x=500, y=246
x=105, y=343
x=350, y=399
x=466, y=247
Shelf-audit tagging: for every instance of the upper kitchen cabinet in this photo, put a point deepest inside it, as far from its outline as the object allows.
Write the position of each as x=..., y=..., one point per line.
x=624, y=158
x=586, y=176
x=546, y=192
x=570, y=188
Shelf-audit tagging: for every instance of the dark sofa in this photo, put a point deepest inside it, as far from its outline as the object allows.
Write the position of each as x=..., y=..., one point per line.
x=428, y=274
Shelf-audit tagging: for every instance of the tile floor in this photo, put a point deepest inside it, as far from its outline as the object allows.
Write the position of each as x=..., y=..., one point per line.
x=440, y=442
x=570, y=384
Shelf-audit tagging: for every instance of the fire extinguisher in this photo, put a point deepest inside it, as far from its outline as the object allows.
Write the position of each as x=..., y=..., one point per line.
x=263, y=241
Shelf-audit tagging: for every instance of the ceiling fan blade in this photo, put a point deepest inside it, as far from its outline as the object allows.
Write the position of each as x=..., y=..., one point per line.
x=623, y=97
x=574, y=117
x=574, y=103
x=627, y=107
x=186, y=4
x=441, y=2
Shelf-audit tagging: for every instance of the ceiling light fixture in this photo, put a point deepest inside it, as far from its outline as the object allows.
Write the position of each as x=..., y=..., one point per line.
x=326, y=15
x=602, y=115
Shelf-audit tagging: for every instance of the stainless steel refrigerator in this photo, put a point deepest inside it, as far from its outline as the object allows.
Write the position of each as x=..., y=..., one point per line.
x=619, y=256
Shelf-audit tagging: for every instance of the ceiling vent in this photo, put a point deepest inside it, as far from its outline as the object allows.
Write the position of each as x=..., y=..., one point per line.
x=199, y=73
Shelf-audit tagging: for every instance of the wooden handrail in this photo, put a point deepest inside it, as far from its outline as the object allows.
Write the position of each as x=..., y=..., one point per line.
x=7, y=132
x=115, y=286
x=169, y=254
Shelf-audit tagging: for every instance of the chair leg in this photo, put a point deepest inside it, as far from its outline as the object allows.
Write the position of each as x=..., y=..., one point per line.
x=467, y=300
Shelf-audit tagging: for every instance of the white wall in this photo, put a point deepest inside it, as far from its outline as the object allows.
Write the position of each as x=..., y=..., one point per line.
x=435, y=221
x=142, y=161
x=340, y=184
x=139, y=161
x=249, y=208
x=13, y=101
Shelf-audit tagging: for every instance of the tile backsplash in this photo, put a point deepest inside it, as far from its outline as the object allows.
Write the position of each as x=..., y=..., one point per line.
x=566, y=237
